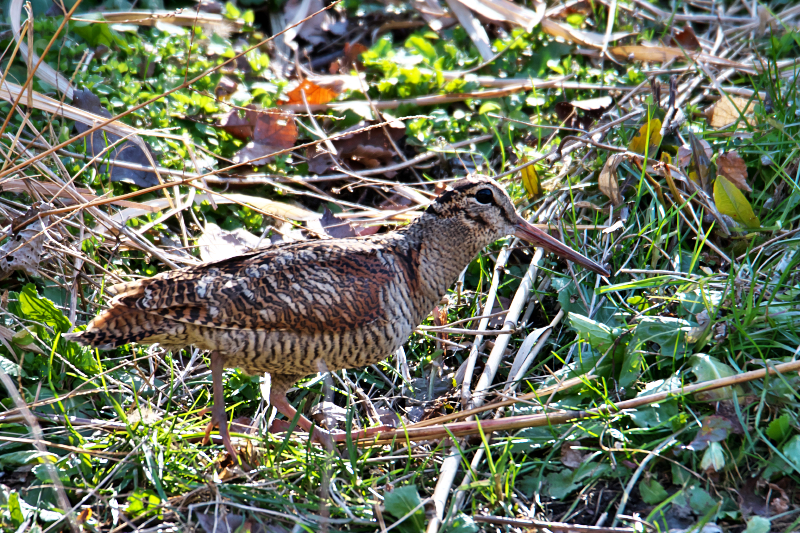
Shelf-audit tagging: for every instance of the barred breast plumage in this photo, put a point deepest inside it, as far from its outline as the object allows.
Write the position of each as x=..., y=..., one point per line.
x=301, y=308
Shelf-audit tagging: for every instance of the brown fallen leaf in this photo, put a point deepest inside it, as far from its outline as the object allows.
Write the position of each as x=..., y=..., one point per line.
x=685, y=153
x=240, y=122
x=351, y=59
x=608, y=179
x=684, y=38
x=571, y=456
x=368, y=149
x=315, y=94
x=732, y=166
x=273, y=132
x=729, y=110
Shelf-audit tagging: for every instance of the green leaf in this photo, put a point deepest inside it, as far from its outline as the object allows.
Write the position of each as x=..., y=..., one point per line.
x=22, y=337
x=462, y=524
x=421, y=45
x=732, y=202
x=652, y=492
x=560, y=484
x=598, y=335
x=490, y=107
x=41, y=309
x=25, y=457
x=143, y=502
x=713, y=458
x=668, y=332
x=792, y=451
x=758, y=524
x=11, y=368
x=14, y=509
x=402, y=501
x=779, y=428
x=707, y=368
x=700, y=500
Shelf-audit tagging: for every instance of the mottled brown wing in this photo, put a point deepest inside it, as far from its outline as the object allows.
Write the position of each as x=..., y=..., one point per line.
x=308, y=286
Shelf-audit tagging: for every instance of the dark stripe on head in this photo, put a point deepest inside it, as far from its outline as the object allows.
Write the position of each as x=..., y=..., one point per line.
x=458, y=187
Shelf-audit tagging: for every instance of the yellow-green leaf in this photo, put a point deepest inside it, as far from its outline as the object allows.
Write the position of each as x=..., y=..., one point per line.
x=530, y=180
x=732, y=202
x=642, y=139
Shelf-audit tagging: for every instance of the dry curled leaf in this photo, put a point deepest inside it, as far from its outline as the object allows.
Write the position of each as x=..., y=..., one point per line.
x=216, y=244
x=369, y=149
x=24, y=249
x=732, y=166
x=608, y=179
x=729, y=110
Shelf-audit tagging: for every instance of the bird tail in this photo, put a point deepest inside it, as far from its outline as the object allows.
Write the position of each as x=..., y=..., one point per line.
x=115, y=327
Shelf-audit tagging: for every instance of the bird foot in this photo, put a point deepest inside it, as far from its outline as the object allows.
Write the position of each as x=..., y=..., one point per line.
x=226, y=438
x=341, y=436
x=329, y=439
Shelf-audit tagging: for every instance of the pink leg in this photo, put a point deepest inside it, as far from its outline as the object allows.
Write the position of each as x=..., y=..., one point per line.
x=277, y=397
x=218, y=417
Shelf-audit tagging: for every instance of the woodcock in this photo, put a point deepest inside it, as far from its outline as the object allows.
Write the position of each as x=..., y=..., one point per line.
x=300, y=308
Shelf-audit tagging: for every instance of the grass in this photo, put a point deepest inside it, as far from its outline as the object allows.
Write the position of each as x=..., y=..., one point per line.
x=113, y=440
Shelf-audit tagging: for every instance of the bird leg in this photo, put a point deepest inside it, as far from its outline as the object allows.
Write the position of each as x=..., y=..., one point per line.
x=277, y=397
x=279, y=384
x=218, y=417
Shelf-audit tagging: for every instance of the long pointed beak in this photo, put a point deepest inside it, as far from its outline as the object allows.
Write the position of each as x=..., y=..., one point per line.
x=537, y=237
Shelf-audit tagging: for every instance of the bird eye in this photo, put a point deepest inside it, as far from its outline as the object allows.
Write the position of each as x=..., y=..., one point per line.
x=484, y=196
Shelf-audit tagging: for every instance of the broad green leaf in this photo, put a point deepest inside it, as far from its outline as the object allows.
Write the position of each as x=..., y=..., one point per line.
x=732, y=202
x=421, y=45
x=26, y=456
x=700, y=500
x=792, y=451
x=14, y=509
x=713, y=458
x=143, y=502
x=598, y=335
x=779, y=428
x=11, y=368
x=652, y=492
x=707, y=368
x=41, y=309
x=489, y=107
x=462, y=524
x=758, y=524
x=560, y=484
x=656, y=414
x=402, y=501
x=649, y=135
x=668, y=332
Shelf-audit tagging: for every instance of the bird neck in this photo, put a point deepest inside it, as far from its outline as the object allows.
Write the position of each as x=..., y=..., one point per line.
x=446, y=245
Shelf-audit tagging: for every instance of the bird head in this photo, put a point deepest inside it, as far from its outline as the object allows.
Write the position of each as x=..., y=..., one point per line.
x=481, y=204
